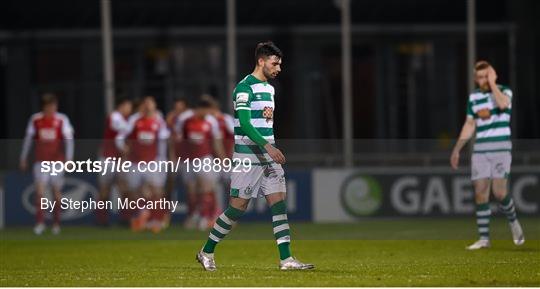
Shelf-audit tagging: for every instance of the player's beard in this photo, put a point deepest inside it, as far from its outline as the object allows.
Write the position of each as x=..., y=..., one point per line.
x=268, y=74
x=484, y=87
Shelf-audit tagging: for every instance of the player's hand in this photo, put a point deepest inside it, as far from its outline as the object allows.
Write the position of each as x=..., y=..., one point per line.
x=275, y=153
x=125, y=151
x=492, y=75
x=454, y=160
x=23, y=165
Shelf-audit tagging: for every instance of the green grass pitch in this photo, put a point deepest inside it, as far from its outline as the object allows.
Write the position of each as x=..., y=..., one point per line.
x=391, y=252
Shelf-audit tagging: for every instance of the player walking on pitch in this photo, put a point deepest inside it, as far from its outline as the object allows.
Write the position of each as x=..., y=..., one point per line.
x=488, y=113
x=253, y=100
x=53, y=136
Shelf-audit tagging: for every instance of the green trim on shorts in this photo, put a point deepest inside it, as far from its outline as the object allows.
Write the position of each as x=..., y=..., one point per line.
x=236, y=163
x=492, y=151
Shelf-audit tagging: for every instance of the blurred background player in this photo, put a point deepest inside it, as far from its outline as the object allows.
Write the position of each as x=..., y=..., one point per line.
x=201, y=141
x=53, y=136
x=180, y=106
x=146, y=137
x=116, y=122
x=226, y=128
x=488, y=114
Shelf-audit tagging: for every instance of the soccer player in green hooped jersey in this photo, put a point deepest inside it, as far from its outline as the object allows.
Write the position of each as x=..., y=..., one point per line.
x=253, y=100
x=488, y=113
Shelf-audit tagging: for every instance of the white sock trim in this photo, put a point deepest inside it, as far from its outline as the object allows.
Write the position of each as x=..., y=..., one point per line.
x=281, y=217
x=280, y=228
x=214, y=238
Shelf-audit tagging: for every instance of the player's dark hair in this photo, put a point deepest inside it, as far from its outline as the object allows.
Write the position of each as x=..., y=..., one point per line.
x=48, y=98
x=137, y=102
x=204, y=103
x=211, y=99
x=267, y=49
x=181, y=99
x=481, y=65
x=122, y=100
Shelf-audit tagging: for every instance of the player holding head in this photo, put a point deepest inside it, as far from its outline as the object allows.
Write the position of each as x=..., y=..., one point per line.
x=488, y=114
x=53, y=136
x=201, y=142
x=116, y=122
x=147, y=136
x=253, y=100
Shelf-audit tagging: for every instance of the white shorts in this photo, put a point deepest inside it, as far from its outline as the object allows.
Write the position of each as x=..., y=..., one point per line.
x=191, y=173
x=136, y=179
x=495, y=165
x=56, y=181
x=109, y=177
x=259, y=181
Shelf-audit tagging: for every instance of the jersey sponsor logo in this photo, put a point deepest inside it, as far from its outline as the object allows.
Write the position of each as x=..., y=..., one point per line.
x=146, y=137
x=47, y=134
x=242, y=97
x=196, y=137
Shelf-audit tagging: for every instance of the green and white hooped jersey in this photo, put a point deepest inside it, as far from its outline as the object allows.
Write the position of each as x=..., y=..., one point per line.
x=492, y=123
x=258, y=97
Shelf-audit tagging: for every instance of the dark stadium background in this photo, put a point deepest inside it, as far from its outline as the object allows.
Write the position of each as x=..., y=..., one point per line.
x=397, y=46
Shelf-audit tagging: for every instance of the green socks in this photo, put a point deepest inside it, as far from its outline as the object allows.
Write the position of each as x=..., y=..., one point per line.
x=281, y=229
x=280, y=225
x=483, y=213
x=221, y=228
x=508, y=208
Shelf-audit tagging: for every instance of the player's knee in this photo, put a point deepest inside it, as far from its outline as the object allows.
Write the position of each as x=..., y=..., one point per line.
x=481, y=198
x=481, y=190
x=499, y=189
x=239, y=203
x=499, y=192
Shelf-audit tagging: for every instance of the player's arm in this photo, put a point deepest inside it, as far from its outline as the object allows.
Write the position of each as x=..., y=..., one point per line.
x=163, y=137
x=229, y=123
x=242, y=107
x=120, y=140
x=501, y=99
x=67, y=133
x=217, y=138
x=118, y=123
x=27, y=143
x=466, y=134
x=172, y=147
x=177, y=133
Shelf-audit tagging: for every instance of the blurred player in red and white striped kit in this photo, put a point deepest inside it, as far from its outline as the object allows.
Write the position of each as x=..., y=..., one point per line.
x=145, y=140
x=116, y=122
x=202, y=140
x=53, y=136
